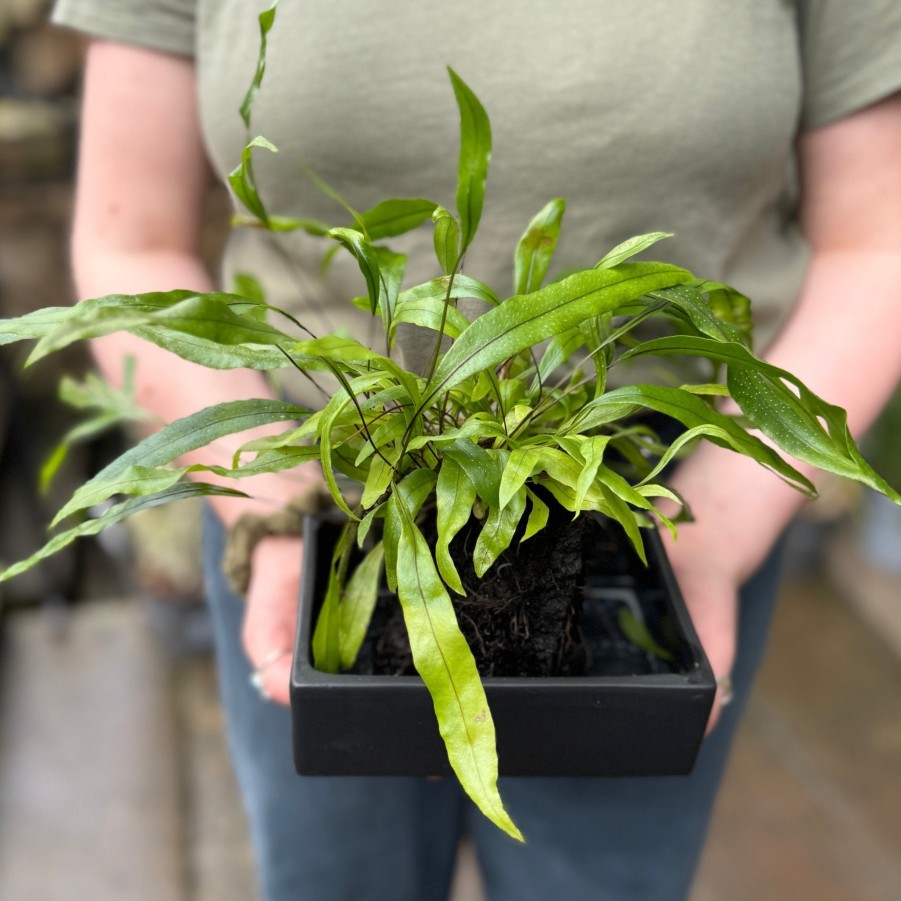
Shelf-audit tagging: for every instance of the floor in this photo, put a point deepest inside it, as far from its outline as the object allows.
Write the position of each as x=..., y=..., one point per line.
x=812, y=804
x=114, y=782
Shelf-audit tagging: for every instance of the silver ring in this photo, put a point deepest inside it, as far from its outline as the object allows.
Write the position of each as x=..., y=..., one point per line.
x=727, y=695
x=256, y=677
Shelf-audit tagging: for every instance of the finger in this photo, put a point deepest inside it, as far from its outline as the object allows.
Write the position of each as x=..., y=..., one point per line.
x=276, y=680
x=721, y=655
x=271, y=677
x=721, y=699
x=268, y=629
x=271, y=615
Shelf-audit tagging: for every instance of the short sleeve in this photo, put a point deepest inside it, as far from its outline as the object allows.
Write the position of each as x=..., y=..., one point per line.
x=166, y=25
x=851, y=56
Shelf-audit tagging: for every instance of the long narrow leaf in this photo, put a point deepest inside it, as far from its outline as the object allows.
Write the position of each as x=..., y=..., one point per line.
x=336, y=349
x=330, y=416
x=619, y=510
x=142, y=480
x=136, y=481
x=475, y=153
x=417, y=487
x=367, y=259
x=212, y=354
x=455, y=494
x=326, y=641
x=381, y=473
x=373, y=367
x=208, y=317
x=520, y=466
x=794, y=424
x=592, y=452
x=559, y=349
x=113, y=516
x=40, y=323
x=266, y=20
x=463, y=286
x=389, y=429
x=538, y=516
x=497, y=533
x=689, y=299
x=367, y=522
x=691, y=411
x=563, y=472
x=396, y=216
x=430, y=313
x=536, y=247
x=782, y=407
x=243, y=182
x=444, y=661
x=56, y=322
x=192, y=432
x=630, y=248
x=36, y=324
x=391, y=275
x=284, y=224
x=274, y=459
x=526, y=319
x=482, y=466
x=446, y=239
x=731, y=306
x=357, y=605
x=637, y=632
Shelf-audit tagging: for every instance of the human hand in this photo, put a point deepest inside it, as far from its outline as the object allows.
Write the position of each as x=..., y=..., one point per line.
x=738, y=510
x=271, y=615
x=711, y=596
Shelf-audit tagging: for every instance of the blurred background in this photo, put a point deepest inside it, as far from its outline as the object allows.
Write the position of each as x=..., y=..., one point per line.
x=114, y=778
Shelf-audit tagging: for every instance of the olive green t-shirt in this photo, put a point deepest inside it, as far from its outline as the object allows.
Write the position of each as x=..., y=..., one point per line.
x=646, y=115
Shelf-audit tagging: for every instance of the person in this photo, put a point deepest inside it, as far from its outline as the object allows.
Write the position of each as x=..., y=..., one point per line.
x=764, y=133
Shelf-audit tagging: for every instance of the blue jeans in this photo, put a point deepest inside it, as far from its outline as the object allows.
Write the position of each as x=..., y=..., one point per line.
x=395, y=839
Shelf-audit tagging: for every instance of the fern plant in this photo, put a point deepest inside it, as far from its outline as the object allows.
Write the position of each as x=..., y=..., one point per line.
x=513, y=407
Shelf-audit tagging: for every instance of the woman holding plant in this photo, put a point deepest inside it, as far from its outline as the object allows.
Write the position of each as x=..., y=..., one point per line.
x=766, y=136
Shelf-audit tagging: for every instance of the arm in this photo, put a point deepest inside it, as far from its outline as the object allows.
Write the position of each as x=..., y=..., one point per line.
x=142, y=180
x=842, y=339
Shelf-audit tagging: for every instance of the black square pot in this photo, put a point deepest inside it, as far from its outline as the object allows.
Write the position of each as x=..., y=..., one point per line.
x=645, y=724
